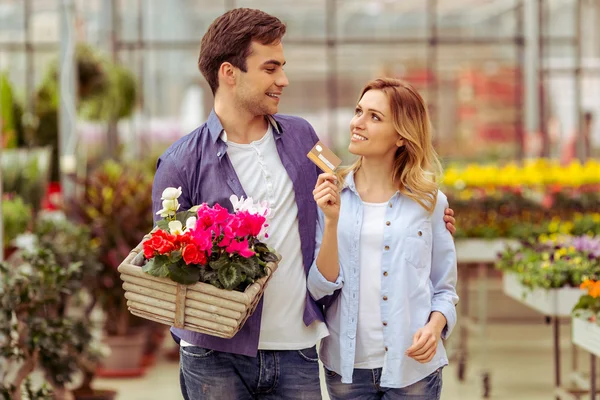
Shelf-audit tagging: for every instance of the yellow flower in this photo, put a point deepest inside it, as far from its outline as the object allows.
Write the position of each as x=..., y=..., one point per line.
x=545, y=264
x=558, y=254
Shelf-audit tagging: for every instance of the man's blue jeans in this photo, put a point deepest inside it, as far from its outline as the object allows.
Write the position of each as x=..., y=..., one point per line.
x=365, y=386
x=213, y=375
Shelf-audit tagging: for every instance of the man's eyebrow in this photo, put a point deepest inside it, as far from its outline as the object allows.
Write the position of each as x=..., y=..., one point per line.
x=274, y=62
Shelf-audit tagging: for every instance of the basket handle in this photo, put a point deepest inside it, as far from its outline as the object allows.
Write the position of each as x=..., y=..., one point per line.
x=179, y=321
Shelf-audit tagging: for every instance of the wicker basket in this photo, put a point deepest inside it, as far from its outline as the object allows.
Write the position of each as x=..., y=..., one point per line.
x=199, y=307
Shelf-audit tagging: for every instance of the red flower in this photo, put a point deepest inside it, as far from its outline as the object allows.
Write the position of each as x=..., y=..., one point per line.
x=182, y=240
x=192, y=255
x=165, y=246
x=148, y=249
x=161, y=242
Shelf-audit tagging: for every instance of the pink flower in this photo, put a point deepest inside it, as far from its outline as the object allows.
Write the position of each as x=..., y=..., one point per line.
x=250, y=224
x=221, y=214
x=205, y=217
x=202, y=239
x=241, y=248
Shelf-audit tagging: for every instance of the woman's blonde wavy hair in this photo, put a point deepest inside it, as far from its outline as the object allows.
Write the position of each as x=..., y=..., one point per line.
x=417, y=169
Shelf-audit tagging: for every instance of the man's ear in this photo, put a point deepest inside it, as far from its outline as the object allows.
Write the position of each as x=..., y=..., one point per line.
x=227, y=74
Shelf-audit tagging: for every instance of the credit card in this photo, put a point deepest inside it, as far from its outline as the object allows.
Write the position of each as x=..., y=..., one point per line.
x=324, y=158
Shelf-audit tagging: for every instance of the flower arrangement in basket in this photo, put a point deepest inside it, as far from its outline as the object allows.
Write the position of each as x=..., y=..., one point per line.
x=203, y=269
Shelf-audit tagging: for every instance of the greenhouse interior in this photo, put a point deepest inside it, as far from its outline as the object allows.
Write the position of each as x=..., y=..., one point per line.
x=93, y=92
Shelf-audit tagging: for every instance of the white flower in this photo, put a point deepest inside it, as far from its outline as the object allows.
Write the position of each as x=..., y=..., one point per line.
x=171, y=193
x=190, y=223
x=237, y=203
x=248, y=204
x=170, y=207
x=26, y=241
x=176, y=228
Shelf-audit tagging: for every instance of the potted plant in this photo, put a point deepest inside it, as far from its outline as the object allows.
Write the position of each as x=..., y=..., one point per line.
x=586, y=318
x=47, y=301
x=116, y=206
x=546, y=274
x=16, y=216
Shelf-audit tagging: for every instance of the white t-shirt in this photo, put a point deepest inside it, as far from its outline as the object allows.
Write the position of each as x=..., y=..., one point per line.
x=370, y=349
x=263, y=177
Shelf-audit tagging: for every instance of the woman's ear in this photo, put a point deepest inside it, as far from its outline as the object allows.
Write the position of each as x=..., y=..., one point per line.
x=400, y=142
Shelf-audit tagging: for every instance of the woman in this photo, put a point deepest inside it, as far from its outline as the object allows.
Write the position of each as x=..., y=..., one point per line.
x=385, y=263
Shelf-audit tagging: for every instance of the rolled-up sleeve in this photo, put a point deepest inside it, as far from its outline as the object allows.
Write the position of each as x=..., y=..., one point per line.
x=318, y=285
x=443, y=268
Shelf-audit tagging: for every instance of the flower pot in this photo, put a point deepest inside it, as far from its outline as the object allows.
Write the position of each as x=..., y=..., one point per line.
x=586, y=334
x=95, y=395
x=200, y=307
x=551, y=302
x=156, y=337
x=482, y=250
x=126, y=355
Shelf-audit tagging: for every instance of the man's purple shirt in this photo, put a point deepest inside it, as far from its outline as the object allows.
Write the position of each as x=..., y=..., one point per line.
x=198, y=162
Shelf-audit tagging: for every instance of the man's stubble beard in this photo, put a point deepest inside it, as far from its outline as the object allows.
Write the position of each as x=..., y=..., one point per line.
x=255, y=106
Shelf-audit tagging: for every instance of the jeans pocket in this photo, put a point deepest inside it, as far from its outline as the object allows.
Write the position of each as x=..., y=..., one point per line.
x=196, y=351
x=428, y=387
x=309, y=354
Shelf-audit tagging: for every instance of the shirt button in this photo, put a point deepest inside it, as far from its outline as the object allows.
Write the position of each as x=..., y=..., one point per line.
x=388, y=223
x=420, y=233
x=385, y=273
x=386, y=349
x=387, y=248
x=219, y=154
x=384, y=298
x=385, y=324
x=390, y=204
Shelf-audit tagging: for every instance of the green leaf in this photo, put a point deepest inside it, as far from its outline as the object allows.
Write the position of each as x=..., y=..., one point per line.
x=216, y=283
x=157, y=266
x=261, y=248
x=163, y=224
x=269, y=257
x=175, y=256
x=184, y=215
x=183, y=274
x=207, y=275
x=194, y=210
x=220, y=262
x=249, y=266
x=6, y=103
x=230, y=277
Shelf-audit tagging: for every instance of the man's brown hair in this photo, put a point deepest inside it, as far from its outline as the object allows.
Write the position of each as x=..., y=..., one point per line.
x=229, y=39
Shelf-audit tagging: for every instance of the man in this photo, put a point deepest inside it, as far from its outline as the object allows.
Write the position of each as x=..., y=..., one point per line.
x=246, y=149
